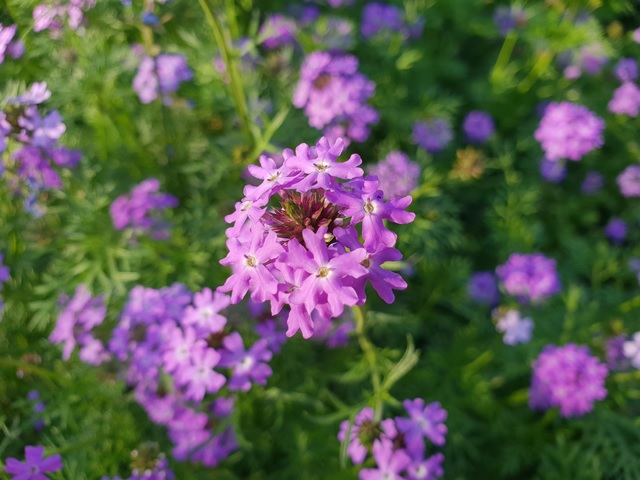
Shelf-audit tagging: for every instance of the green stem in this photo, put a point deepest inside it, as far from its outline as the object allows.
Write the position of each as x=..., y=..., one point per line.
x=370, y=355
x=236, y=86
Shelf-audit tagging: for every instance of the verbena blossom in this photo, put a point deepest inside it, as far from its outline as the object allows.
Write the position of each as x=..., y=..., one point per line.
x=482, y=287
x=529, y=277
x=4, y=277
x=277, y=31
x=9, y=46
x=626, y=70
x=509, y=18
x=140, y=210
x=478, y=126
x=626, y=100
x=629, y=181
x=553, y=172
x=568, y=130
x=334, y=96
x=588, y=59
x=592, y=183
x=384, y=20
x=35, y=465
x=74, y=326
x=631, y=350
x=516, y=329
x=161, y=75
x=35, y=162
x=305, y=251
x=397, y=175
x=38, y=407
x=53, y=16
x=616, y=230
x=178, y=375
x=398, y=445
x=147, y=463
x=568, y=377
x=614, y=353
x=432, y=135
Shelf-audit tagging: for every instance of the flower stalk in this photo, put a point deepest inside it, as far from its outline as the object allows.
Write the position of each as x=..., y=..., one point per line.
x=368, y=349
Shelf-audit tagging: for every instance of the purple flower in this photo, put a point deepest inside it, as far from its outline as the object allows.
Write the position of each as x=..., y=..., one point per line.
x=588, y=58
x=362, y=429
x=593, y=181
x=160, y=75
x=553, y=172
x=295, y=253
x=529, y=277
x=423, y=422
x=6, y=35
x=631, y=350
x=629, y=181
x=635, y=35
x=433, y=135
x=568, y=130
x=626, y=70
x=334, y=95
x=248, y=365
x=516, y=329
x=478, y=126
x=381, y=19
x=140, y=210
x=626, y=100
x=53, y=16
x=397, y=175
x=204, y=314
x=198, y=376
x=483, y=288
x=509, y=18
x=81, y=314
x=567, y=377
x=277, y=31
x=35, y=465
x=614, y=353
x=616, y=230
x=429, y=469
x=270, y=331
x=390, y=463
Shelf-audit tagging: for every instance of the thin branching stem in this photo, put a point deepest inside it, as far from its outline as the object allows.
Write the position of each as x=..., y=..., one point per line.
x=370, y=354
x=223, y=41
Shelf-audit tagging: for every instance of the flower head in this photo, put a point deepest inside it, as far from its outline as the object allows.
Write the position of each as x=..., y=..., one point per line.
x=567, y=377
x=629, y=181
x=433, y=135
x=478, y=126
x=529, y=277
x=35, y=465
x=568, y=130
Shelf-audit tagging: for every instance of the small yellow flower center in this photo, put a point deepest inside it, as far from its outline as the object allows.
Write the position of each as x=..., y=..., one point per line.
x=250, y=261
x=321, y=167
x=368, y=207
x=323, y=272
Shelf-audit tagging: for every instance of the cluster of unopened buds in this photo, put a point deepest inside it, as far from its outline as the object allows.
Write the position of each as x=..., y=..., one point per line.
x=294, y=239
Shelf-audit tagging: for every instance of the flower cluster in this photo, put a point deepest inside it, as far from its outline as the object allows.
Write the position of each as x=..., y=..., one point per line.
x=4, y=277
x=553, y=172
x=614, y=353
x=397, y=175
x=81, y=314
x=626, y=100
x=509, y=18
x=616, y=230
x=384, y=20
x=516, y=329
x=9, y=46
x=178, y=352
x=568, y=130
x=35, y=465
x=433, y=135
x=593, y=181
x=529, y=277
x=626, y=70
x=52, y=17
x=631, y=350
x=587, y=59
x=38, y=408
x=334, y=96
x=629, y=181
x=306, y=252
x=161, y=75
x=398, y=444
x=567, y=377
x=478, y=126
x=37, y=134
x=139, y=210
x=277, y=31
x=483, y=288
